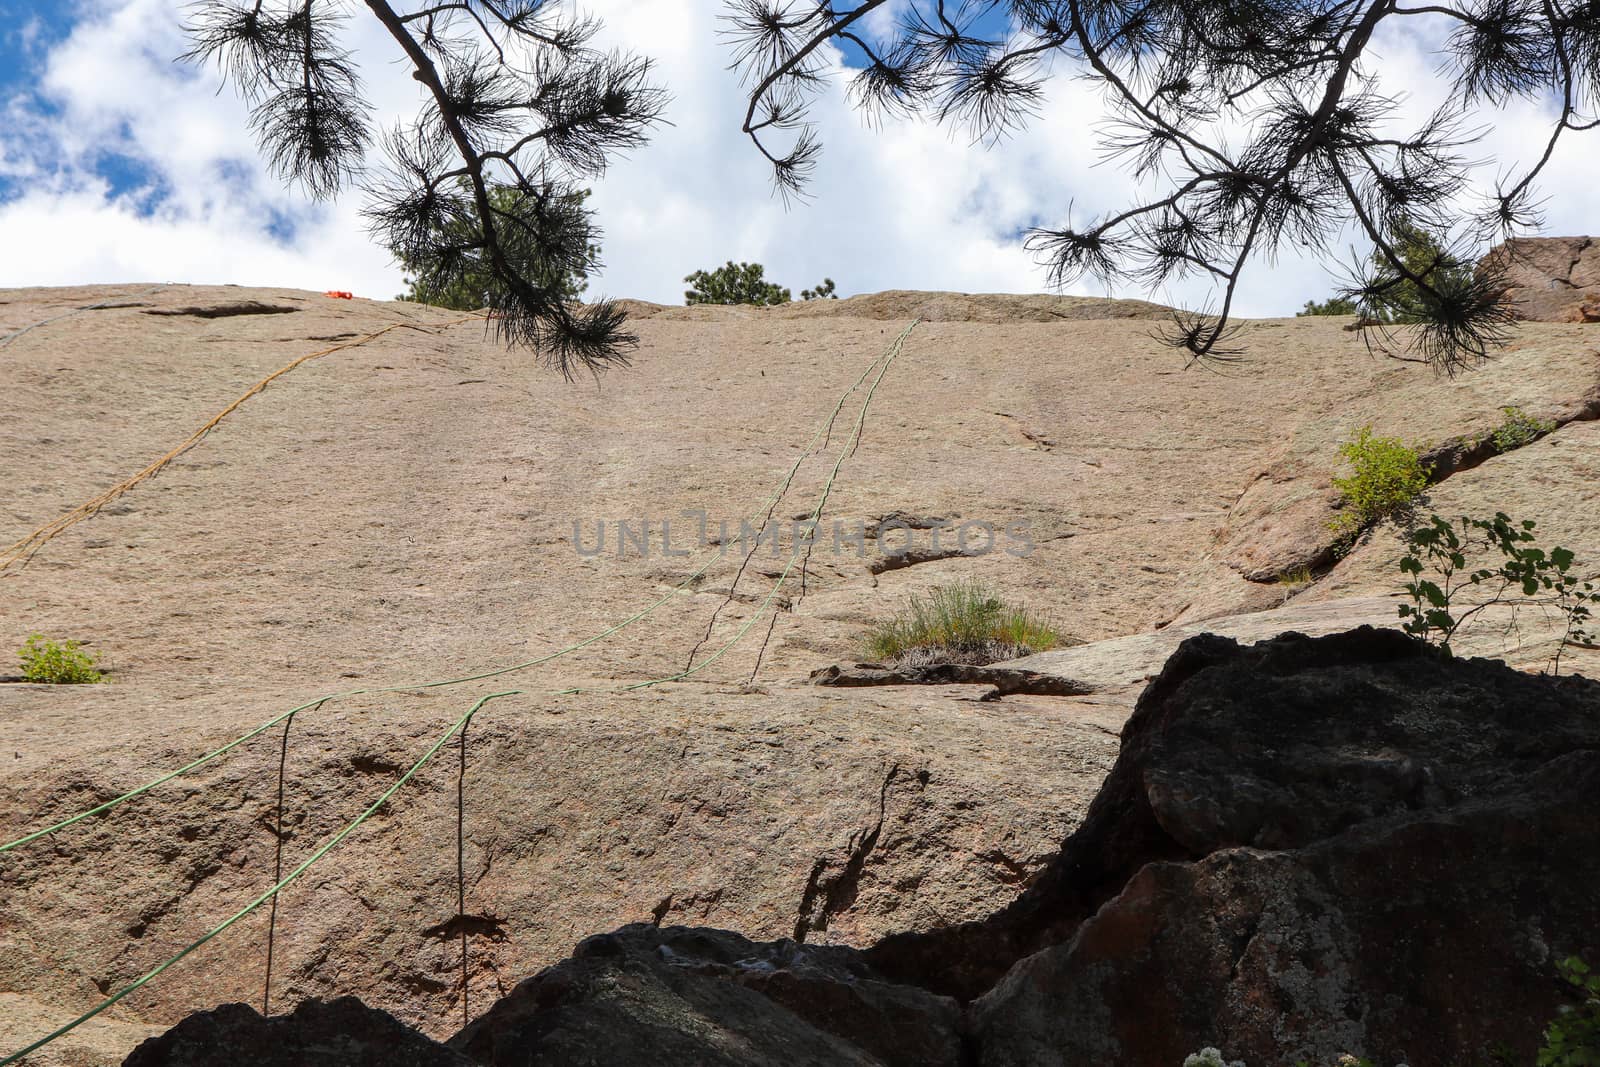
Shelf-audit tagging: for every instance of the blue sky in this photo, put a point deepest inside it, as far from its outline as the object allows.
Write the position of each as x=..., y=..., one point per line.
x=29, y=30
x=116, y=164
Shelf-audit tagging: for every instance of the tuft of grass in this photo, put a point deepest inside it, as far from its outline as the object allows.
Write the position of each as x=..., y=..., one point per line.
x=1296, y=577
x=1518, y=429
x=58, y=662
x=964, y=622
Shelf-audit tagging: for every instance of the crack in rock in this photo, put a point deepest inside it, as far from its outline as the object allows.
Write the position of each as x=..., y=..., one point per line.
x=912, y=557
x=223, y=311
x=489, y=927
x=824, y=896
x=1006, y=680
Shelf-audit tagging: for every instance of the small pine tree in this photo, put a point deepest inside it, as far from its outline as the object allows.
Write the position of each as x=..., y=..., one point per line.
x=515, y=95
x=1425, y=256
x=1334, y=305
x=460, y=282
x=1388, y=295
x=734, y=283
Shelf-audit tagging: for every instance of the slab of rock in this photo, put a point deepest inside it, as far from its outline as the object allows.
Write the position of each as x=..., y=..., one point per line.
x=349, y=528
x=1006, y=680
x=104, y=1039
x=1133, y=660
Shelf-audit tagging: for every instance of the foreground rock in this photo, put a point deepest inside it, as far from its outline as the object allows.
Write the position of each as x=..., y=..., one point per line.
x=1350, y=844
x=708, y=997
x=343, y=1033
x=1307, y=847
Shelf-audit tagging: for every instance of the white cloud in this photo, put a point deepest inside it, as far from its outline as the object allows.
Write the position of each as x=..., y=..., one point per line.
x=907, y=206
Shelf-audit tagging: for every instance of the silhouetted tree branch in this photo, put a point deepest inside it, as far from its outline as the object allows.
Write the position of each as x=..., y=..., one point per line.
x=1262, y=119
x=516, y=100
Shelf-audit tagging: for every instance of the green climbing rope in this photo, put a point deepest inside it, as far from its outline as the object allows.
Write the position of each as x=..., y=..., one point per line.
x=148, y=976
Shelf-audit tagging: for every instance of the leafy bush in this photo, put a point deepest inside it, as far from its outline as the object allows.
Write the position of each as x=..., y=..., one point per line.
x=1518, y=429
x=1212, y=1057
x=1386, y=479
x=1573, y=1037
x=959, y=623
x=1436, y=559
x=745, y=283
x=58, y=663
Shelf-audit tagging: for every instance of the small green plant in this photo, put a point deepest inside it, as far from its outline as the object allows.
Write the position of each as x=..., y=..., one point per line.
x=1386, y=478
x=1436, y=562
x=821, y=292
x=959, y=623
x=58, y=663
x=1573, y=1037
x=1518, y=429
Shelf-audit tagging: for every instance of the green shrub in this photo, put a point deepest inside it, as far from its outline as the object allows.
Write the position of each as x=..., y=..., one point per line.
x=58, y=663
x=1573, y=1037
x=1386, y=477
x=1518, y=429
x=1209, y=1057
x=959, y=623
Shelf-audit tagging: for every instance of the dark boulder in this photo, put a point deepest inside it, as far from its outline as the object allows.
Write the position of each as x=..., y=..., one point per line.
x=680, y=997
x=339, y=1033
x=1426, y=938
x=1275, y=746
